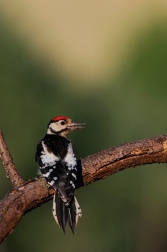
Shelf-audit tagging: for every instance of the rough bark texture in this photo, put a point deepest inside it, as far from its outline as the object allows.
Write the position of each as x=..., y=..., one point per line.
x=128, y=155
x=7, y=162
x=32, y=194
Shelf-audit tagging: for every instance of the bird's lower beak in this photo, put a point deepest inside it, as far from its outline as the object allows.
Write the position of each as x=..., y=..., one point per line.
x=76, y=126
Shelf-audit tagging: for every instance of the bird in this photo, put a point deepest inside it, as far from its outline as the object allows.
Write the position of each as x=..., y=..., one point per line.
x=57, y=163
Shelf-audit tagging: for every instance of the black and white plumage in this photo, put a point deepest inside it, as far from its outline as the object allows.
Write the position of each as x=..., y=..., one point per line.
x=58, y=165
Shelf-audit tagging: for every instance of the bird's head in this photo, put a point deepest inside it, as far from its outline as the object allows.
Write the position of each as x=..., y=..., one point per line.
x=62, y=125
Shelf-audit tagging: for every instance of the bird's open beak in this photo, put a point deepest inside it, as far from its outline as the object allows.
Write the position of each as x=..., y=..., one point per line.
x=76, y=126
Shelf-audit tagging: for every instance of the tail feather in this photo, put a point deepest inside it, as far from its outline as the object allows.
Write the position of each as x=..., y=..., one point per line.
x=78, y=210
x=72, y=215
x=63, y=213
x=60, y=212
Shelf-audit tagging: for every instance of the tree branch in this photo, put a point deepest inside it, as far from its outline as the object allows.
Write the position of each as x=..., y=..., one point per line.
x=7, y=161
x=97, y=166
x=128, y=155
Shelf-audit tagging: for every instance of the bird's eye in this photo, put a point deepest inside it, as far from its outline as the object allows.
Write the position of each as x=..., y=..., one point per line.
x=63, y=122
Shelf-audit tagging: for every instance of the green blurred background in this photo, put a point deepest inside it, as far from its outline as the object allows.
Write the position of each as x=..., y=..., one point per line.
x=103, y=63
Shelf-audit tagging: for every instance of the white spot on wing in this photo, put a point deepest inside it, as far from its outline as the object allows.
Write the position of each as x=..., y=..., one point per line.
x=74, y=175
x=51, y=182
x=46, y=174
x=72, y=184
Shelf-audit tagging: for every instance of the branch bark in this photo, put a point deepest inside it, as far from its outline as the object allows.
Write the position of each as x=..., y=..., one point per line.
x=7, y=162
x=94, y=167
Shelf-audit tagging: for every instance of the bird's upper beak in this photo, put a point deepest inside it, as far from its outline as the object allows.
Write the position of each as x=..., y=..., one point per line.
x=75, y=126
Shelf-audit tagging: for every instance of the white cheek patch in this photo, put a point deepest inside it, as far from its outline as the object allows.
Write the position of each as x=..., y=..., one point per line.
x=55, y=126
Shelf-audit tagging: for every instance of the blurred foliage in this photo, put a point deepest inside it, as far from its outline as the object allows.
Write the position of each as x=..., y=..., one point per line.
x=125, y=212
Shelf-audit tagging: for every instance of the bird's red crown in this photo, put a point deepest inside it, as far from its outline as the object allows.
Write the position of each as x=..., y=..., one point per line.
x=57, y=118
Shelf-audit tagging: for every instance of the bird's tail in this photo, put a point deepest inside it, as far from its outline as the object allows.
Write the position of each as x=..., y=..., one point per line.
x=63, y=212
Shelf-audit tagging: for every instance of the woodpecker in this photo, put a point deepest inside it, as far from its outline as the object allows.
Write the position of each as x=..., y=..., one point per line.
x=58, y=165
